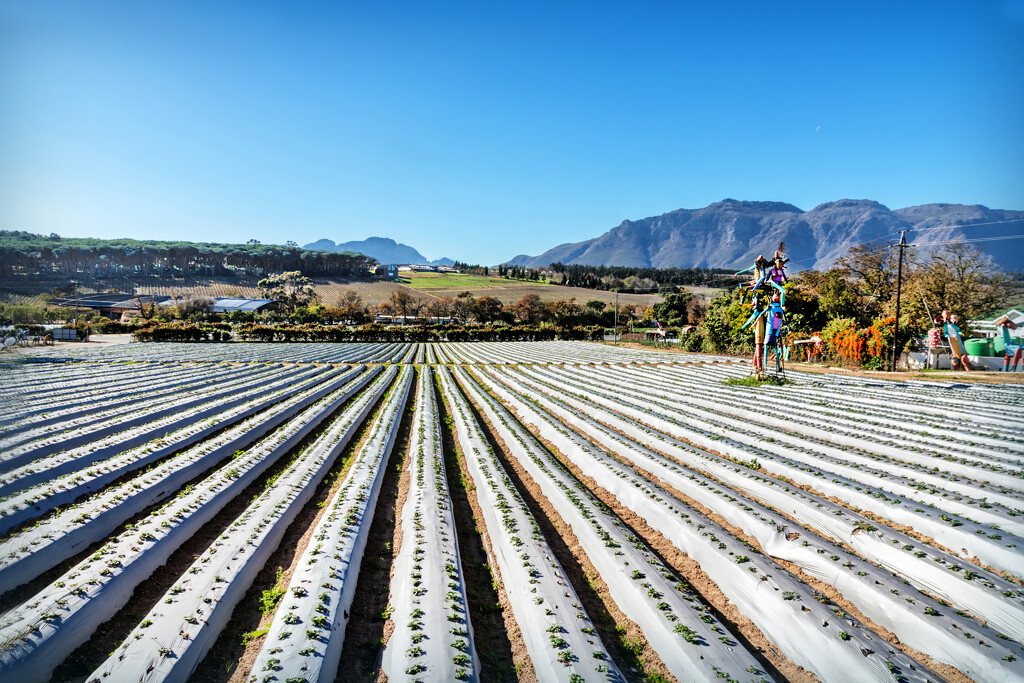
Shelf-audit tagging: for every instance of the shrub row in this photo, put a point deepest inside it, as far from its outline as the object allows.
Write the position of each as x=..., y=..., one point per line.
x=251, y=332
x=180, y=332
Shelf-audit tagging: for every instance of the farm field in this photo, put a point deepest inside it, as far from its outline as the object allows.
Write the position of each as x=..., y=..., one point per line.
x=511, y=291
x=554, y=511
x=328, y=289
x=420, y=285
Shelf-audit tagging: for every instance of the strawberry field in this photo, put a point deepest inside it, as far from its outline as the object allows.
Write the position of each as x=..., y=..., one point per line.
x=554, y=511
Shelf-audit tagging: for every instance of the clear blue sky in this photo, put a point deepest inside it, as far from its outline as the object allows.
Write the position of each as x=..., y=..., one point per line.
x=481, y=130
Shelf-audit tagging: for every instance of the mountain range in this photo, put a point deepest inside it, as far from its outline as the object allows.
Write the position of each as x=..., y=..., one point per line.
x=384, y=249
x=731, y=234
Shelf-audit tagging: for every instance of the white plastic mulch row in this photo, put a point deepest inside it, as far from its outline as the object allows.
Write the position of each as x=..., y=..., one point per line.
x=882, y=447
x=861, y=462
x=687, y=418
x=38, y=634
x=974, y=408
x=922, y=622
x=560, y=638
x=433, y=637
x=32, y=381
x=845, y=427
x=65, y=454
x=51, y=406
x=430, y=355
x=689, y=640
x=234, y=352
x=990, y=597
x=365, y=352
x=828, y=643
x=30, y=501
x=35, y=549
x=937, y=499
x=963, y=475
x=560, y=352
x=170, y=642
x=305, y=638
x=38, y=443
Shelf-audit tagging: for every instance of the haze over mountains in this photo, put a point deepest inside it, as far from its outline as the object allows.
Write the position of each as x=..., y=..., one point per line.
x=383, y=249
x=731, y=233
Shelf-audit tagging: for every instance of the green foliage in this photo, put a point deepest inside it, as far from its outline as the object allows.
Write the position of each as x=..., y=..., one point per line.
x=770, y=380
x=253, y=635
x=673, y=310
x=291, y=288
x=272, y=596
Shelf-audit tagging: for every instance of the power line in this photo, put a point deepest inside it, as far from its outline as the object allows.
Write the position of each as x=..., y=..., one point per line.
x=967, y=241
x=966, y=225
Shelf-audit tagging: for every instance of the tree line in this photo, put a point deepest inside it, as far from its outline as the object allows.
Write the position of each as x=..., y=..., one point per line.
x=608, y=278
x=24, y=254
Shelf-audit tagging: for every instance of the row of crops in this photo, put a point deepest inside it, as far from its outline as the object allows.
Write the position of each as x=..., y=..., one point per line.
x=306, y=352
x=634, y=519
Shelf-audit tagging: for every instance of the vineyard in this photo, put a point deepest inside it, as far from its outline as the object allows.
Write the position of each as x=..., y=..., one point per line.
x=553, y=511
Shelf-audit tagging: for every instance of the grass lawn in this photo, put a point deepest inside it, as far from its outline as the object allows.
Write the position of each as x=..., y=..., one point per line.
x=457, y=282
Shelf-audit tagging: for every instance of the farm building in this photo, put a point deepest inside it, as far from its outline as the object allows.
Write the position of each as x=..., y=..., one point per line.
x=390, y=271
x=987, y=326
x=230, y=305
x=110, y=305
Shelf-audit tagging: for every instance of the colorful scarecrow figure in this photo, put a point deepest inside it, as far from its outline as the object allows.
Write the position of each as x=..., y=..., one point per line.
x=777, y=274
x=768, y=335
x=1014, y=348
x=768, y=299
x=760, y=268
x=757, y=319
x=957, y=352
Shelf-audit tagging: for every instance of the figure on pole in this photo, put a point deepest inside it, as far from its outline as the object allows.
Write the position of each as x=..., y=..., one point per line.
x=957, y=352
x=1010, y=348
x=768, y=299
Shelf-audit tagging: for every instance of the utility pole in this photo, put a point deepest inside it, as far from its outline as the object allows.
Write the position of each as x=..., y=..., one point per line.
x=899, y=282
x=75, y=285
x=616, y=316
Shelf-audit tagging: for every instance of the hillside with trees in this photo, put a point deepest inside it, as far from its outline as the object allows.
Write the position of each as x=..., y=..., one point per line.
x=27, y=255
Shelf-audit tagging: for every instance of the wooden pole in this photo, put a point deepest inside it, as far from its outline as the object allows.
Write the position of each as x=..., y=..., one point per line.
x=899, y=282
x=616, y=316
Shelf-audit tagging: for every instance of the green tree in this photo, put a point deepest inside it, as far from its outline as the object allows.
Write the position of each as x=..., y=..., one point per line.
x=673, y=310
x=959, y=278
x=836, y=297
x=487, y=309
x=528, y=309
x=292, y=289
x=870, y=272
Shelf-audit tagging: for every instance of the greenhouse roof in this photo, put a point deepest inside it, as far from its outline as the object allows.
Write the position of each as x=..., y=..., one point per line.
x=226, y=305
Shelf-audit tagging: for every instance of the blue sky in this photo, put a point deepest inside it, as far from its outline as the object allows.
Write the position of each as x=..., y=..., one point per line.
x=482, y=130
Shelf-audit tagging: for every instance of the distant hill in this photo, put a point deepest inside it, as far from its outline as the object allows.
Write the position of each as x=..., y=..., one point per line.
x=383, y=249
x=28, y=255
x=731, y=233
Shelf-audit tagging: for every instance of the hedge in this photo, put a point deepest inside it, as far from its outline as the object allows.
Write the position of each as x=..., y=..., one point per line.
x=252, y=332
